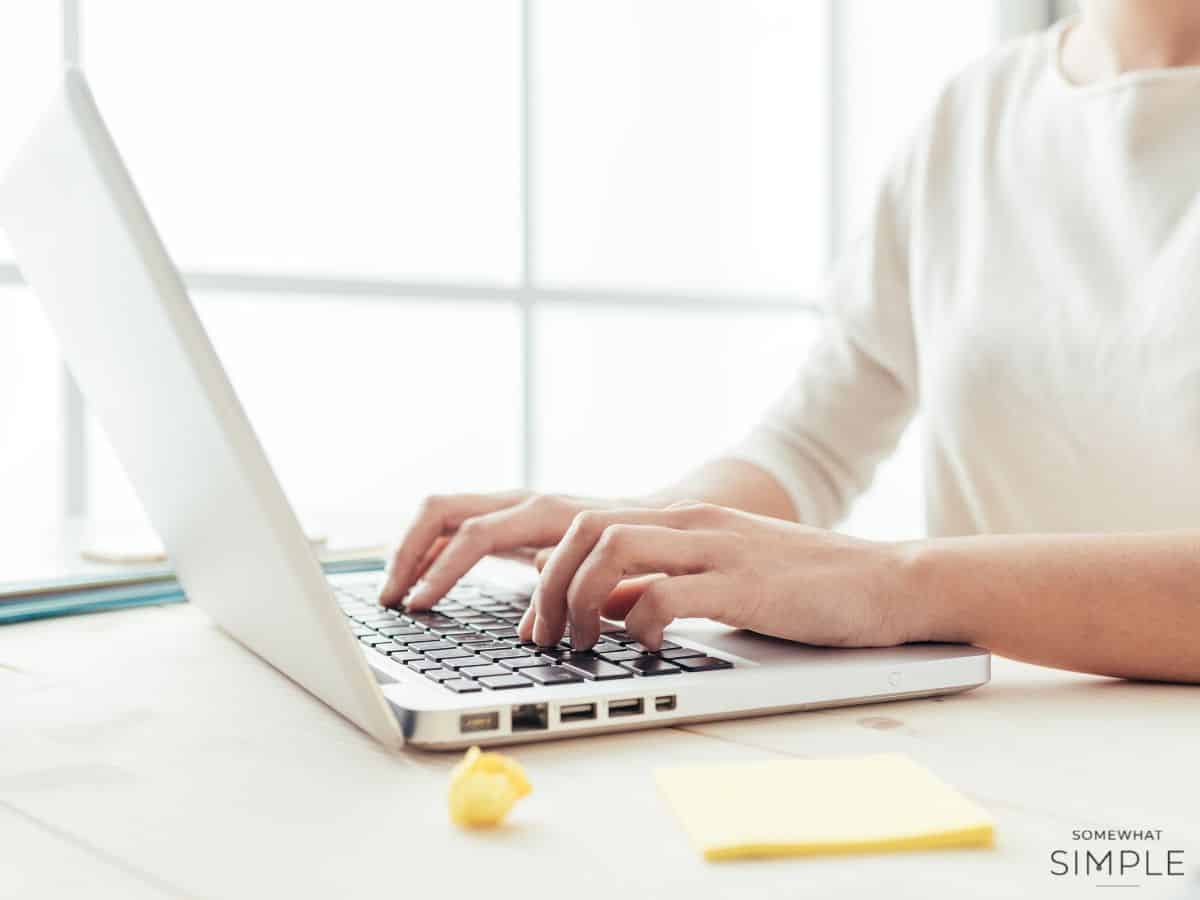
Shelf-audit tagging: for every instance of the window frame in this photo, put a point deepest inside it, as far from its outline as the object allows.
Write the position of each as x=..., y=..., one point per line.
x=528, y=295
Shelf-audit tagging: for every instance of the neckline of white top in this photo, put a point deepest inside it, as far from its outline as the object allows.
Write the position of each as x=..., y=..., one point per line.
x=1057, y=34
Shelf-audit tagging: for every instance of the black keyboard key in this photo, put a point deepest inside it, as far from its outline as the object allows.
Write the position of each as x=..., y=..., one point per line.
x=452, y=625
x=507, y=632
x=464, y=662
x=555, y=653
x=461, y=615
x=478, y=672
x=491, y=645
x=379, y=615
x=620, y=656
x=428, y=619
x=667, y=645
x=391, y=630
x=620, y=636
x=679, y=653
x=551, y=675
x=703, y=664
x=505, y=682
x=473, y=638
x=652, y=665
x=491, y=606
x=637, y=648
x=462, y=686
x=522, y=662
x=441, y=674
x=420, y=637
x=430, y=644
x=451, y=653
x=456, y=633
x=506, y=653
x=422, y=665
x=593, y=668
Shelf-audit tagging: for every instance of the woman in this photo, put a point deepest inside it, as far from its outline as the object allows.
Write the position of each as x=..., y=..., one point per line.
x=1030, y=282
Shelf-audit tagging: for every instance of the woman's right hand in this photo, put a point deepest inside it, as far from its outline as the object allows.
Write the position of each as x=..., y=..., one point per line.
x=451, y=533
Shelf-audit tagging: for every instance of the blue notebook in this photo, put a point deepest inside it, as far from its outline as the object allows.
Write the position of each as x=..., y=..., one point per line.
x=65, y=597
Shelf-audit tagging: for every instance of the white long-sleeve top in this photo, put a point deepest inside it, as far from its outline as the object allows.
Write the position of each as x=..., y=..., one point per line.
x=1030, y=283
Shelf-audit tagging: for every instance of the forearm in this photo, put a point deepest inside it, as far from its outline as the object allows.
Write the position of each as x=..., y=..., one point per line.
x=732, y=483
x=1121, y=605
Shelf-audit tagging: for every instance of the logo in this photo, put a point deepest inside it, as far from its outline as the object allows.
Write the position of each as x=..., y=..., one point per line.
x=1112, y=857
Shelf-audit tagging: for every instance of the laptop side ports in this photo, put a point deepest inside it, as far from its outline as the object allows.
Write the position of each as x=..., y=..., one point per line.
x=530, y=717
x=576, y=712
x=469, y=723
x=634, y=706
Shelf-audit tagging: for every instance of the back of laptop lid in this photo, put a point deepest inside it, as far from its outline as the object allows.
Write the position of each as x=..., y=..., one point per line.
x=130, y=336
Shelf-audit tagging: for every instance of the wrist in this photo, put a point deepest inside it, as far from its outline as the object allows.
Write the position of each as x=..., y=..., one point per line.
x=920, y=593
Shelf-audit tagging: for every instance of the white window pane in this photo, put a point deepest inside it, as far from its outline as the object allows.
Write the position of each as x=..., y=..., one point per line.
x=364, y=406
x=898, y=55
x=357, y=137
x=29, y=416
x=30, y=48
x=681, y=144
x=629, y=404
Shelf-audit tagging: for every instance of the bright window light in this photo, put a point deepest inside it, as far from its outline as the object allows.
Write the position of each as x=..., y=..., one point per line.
x=353, y=138
x=681, y=144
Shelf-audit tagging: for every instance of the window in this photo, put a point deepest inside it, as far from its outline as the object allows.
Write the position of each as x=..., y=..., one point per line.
x=466, y=244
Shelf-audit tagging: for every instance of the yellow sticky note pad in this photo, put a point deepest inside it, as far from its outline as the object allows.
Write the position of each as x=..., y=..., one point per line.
x=817, y=806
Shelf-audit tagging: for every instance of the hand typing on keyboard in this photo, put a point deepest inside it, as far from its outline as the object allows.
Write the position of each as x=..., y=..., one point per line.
x=651, y=565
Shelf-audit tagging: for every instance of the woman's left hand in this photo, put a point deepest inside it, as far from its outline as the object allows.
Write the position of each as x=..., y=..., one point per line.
x=651, y=566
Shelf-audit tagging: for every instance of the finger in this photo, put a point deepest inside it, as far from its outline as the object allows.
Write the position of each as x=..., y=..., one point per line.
x=550, y=598
x=525, y=626
x=669, y=599
x=436, y=516
x=619, y=602
x=434, y=551
x=630, y=550
x=625, y=594
x=530, y=522
x=542, y=557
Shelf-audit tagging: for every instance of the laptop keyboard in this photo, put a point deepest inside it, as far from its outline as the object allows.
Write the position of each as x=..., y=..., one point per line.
x=468, y=643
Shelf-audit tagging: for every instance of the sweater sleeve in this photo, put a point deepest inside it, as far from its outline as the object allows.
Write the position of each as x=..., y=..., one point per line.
x=857, y=390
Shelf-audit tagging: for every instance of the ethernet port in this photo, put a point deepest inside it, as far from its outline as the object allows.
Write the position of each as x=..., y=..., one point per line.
x=530, y=717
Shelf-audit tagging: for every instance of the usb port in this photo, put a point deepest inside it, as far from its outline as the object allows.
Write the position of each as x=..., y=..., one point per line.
x=576, y=712
x=632, y=707
x=530, y=717
x=481, y=721
x=665, y=703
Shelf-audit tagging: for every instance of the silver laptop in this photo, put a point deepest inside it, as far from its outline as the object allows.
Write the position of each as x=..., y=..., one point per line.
x=445, y=679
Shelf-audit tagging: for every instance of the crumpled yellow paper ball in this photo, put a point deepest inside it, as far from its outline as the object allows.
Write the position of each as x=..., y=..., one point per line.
x=484, y=787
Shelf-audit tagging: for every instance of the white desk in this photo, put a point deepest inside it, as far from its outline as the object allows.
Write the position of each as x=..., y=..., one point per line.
x=145, y=754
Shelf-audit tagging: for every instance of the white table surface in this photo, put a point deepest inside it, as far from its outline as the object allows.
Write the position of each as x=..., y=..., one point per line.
x=143, y=753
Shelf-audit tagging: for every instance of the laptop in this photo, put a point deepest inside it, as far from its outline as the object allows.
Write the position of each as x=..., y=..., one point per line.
x=454, y=676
